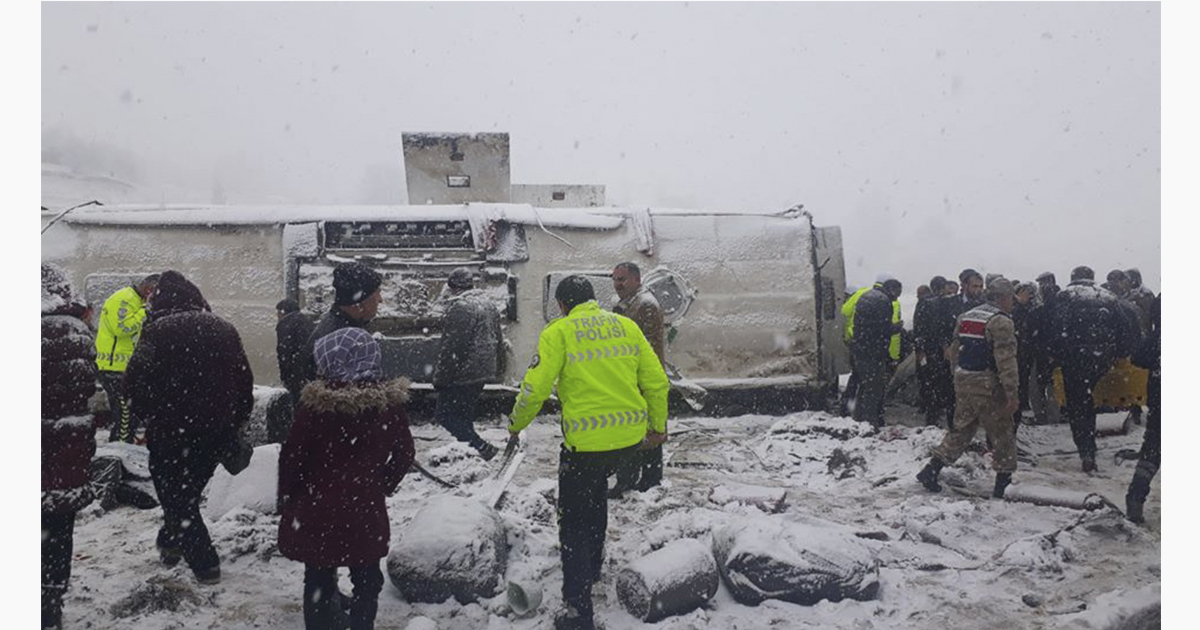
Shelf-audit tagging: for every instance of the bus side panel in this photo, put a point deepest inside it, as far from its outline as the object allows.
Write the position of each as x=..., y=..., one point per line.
x=238, y=269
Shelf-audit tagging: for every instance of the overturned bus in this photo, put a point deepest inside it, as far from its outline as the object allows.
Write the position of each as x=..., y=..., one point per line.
x=751, y=300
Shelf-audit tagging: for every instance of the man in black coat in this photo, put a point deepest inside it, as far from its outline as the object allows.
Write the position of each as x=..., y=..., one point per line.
x=292, y=331
x=471, y=354
x=873, y=330
x=939, y=334
x=1148, y=356
x=1042, y=335
x=189, y=378
x=356, y=298
x=929, y=352
x=1141, y=296
x=1089, y=331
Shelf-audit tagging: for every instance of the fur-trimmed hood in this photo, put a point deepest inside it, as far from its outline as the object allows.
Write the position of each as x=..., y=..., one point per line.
x=353, y=398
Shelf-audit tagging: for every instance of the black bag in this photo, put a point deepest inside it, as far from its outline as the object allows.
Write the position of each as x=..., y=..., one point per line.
x=237, y=458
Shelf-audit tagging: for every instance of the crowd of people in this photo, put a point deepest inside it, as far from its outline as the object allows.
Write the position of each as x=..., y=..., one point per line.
x=178, y=380
x=986, y=350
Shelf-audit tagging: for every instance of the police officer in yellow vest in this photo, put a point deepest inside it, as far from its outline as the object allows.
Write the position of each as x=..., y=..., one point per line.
x=614, y=400
x=848, y=310
x=117, y=333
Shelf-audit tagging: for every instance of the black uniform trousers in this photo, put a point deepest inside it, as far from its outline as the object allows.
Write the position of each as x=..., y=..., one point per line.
x=322, y=607
x=457, y=407
x=872, y=371
x=583, y=519
x=180, y=472
x=1148, y=462
x=942, y=399
x=121, y=427
x=1079, y=380
x=642, y=470
x=58, y=541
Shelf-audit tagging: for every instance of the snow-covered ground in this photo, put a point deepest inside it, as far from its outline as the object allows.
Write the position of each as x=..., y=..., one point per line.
x=952, y=560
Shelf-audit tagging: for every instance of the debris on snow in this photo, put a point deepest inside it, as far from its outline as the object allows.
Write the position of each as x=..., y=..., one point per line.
x=675, y=579
x=1061, y=497
x=803, y=563
x=159, y=593
x=769, y=500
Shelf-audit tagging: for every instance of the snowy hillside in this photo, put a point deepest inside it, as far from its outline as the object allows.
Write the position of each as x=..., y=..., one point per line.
x=944, y=561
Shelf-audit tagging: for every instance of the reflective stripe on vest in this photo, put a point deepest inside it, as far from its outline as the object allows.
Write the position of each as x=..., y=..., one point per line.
x=602, y=421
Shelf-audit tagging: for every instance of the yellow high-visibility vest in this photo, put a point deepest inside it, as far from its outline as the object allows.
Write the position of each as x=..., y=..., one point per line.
x=120, y=325
x=610, y=382
x=848, y=312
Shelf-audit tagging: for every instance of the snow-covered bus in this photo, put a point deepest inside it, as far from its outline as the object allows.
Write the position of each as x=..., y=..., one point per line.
x=751, y=299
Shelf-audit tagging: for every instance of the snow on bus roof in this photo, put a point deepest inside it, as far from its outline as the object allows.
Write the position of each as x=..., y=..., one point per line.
x=599, y=218
x=187, y=214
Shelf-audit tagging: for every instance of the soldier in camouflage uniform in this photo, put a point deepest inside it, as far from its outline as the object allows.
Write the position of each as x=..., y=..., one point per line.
x=984, y=352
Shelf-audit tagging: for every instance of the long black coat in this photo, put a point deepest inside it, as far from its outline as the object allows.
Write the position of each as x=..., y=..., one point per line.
x=471, y=350
x=68, y=380
x=1089, y=325
x=873, y=328
x=189, y=377
x=292, y=350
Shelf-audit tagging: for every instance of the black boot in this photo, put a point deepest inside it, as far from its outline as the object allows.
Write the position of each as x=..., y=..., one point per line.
x=1133, y=510
x=1089, y=463
x=1002, y=481
x=1139, y=489
x=929, y=475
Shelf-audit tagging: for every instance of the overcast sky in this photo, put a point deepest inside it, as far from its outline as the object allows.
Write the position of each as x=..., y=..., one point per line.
x=1010, y=137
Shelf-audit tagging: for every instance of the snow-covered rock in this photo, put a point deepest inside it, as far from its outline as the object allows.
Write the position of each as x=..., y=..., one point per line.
x=453, y=547
x=255, y=488
x=421, y=623
x=772, y=558
x=270, y=410
x=676, y=579
x=1121, y=609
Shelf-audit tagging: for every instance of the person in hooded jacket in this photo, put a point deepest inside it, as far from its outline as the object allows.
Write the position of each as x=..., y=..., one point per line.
x=68, y=439
x=1089, y=331
x=471, y=354
x=1149, y=357
x=347, y=451
x=190, y=380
